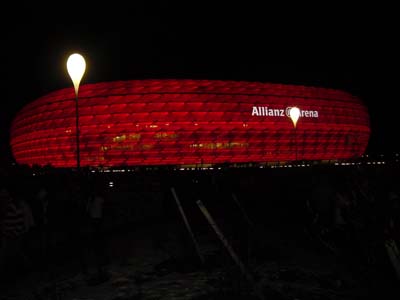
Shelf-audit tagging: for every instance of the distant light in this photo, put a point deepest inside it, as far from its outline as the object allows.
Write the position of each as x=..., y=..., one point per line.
x=111, y=184
x=76, y=66
x=294, y=114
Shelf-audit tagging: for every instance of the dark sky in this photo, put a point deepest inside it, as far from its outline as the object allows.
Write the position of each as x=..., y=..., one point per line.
x=350, y=48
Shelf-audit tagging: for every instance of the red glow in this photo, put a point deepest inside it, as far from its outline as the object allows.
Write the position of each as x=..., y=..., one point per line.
x=174, y=122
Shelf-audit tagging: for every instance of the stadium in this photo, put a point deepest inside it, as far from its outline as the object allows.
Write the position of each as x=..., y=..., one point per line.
x=175, y=122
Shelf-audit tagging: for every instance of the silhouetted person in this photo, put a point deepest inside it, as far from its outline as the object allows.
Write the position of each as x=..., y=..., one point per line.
x=322, y=199
x=98, y=243
x=393, y=226
x=40, y=204
x=13, y=228
x=76, y=223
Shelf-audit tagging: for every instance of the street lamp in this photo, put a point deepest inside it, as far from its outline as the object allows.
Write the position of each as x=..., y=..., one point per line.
x=294, y=114
x=76, y=66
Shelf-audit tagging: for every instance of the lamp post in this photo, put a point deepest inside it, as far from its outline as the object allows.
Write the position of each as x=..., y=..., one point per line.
x=294, y=114
x=76, y=66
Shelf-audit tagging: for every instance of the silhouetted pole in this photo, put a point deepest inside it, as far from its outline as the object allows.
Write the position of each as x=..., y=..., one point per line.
x=235, y=257
x=196, y=245
x=246, y=217
x=250, y=225
x=76, y=66
x=78, y=154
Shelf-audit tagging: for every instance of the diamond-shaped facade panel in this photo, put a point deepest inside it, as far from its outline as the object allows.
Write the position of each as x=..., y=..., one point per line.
x=175, y=122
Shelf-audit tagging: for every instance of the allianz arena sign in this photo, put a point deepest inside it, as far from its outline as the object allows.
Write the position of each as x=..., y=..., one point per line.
x=264, y=111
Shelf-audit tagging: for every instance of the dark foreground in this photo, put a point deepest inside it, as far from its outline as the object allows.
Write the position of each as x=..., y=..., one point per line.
x=285, y=243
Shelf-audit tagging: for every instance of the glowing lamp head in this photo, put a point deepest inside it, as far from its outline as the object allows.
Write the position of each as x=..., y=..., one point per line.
x=76, y=66
x=294, y=114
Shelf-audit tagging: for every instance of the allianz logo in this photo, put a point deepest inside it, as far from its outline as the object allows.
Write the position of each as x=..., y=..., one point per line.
x=265, y=111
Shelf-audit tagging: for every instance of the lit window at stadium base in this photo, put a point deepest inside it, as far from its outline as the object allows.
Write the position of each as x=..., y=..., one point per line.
x=183, y=122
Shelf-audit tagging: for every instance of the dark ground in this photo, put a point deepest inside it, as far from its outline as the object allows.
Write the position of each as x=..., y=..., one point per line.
x=151, y=255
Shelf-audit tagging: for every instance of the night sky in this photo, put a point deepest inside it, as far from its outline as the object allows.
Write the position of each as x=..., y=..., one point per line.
x=353, y=49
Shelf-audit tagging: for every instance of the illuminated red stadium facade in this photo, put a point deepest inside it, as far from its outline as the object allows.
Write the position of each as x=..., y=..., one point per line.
x=181, y=122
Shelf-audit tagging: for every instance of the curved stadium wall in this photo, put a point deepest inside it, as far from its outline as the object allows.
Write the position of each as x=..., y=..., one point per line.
x=180, y=122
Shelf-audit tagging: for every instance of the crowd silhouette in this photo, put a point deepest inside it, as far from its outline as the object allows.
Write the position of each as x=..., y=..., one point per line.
x=51, y=218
